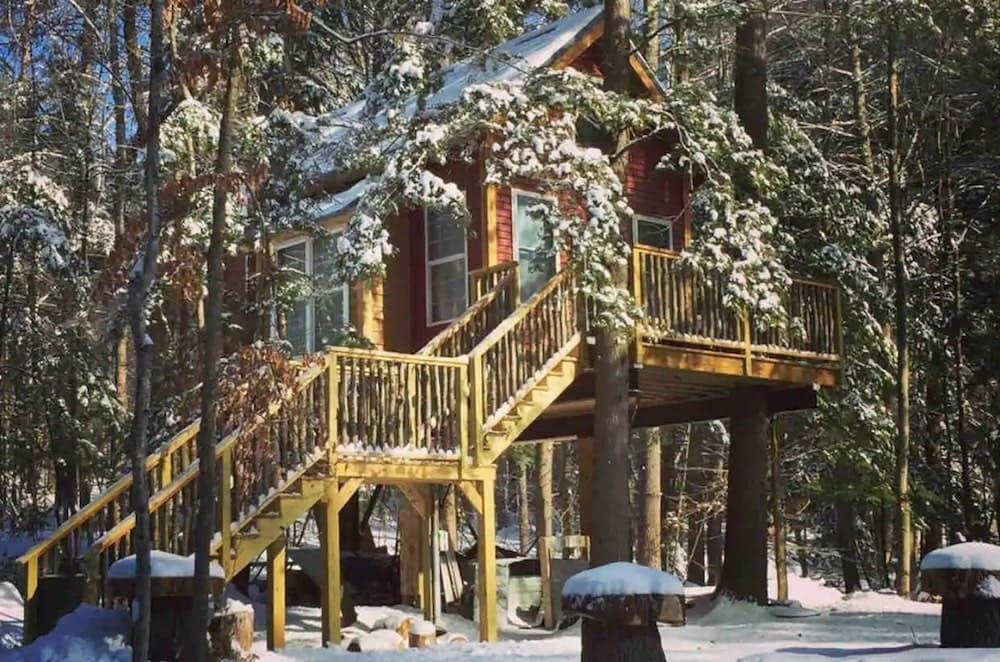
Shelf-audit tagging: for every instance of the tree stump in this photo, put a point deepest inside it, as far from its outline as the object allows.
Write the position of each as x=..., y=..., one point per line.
x=422, y=634
x=620, y=604
x=231, y=634
x=967, y=577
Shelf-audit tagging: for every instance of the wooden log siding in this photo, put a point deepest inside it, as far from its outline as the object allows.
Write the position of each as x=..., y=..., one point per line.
x=519, y=348
x=398, y=404
x=688, y=308
x=496, y=296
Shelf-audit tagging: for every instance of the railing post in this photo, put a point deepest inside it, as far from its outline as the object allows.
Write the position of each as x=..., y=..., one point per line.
x=839, y=320
x=463, y=415
x=517, y=287
x=31, y=601
x=332, y=400
x=166, y=468
x=226, y=502
x=747, y=341
x=477, y=413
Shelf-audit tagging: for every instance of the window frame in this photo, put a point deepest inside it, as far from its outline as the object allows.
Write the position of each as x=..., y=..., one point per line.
x=514, y=192
x=429, y=263
x=310, y=323
x=656, y=220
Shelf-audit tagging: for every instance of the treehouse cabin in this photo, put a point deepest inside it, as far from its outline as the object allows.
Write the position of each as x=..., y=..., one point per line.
x=479, y=344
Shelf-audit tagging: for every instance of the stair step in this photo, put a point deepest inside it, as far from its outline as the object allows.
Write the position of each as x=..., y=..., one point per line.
x=268, y=515
x=246, y=535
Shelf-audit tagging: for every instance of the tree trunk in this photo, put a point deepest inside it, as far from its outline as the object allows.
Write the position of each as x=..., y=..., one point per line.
x=543, y=505
x=803, y=552
x=611, y=352
x=652, y=38
x=213, y=335
x=649, y=540
x=904, y=536
x=696, y=509
x=846, y=543
x=750, y=76
x=140, y=283
x=523, y=509
x=744, y=567
x=778, y=513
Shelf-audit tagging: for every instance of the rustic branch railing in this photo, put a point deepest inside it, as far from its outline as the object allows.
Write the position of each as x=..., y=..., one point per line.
x=256, y=461
x=688, y=308
x=516, y=352
x=400, y=404
x=482, y=281
x=489, y=308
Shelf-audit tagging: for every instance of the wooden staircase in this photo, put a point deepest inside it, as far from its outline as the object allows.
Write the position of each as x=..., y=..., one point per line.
x=358, y=416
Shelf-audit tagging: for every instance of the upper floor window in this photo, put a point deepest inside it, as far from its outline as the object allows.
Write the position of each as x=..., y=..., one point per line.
x=533, y=243
x=313, y=320
x=447, y=267
x=655, y=232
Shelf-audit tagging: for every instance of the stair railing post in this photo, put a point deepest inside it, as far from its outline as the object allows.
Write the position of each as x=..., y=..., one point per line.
x=464, y=429
x=477, y=413
x=333, y=397
x=747, y=341
x=31, y=601
x=226, y=509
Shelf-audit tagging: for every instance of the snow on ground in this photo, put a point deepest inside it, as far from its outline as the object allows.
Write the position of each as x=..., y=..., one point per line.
x=963, y=556
x=11, y=616
x=88, y=634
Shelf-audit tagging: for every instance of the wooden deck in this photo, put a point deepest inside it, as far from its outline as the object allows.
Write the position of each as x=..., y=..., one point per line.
x=502, y=372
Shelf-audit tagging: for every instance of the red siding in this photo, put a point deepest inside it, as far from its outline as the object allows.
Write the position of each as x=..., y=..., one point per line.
x=505, y=225
x=653, y=192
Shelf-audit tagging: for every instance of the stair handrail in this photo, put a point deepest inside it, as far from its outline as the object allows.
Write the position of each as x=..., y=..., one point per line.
x=157, y=459
x=479, y=398
x=223, y=450
x=491, y=286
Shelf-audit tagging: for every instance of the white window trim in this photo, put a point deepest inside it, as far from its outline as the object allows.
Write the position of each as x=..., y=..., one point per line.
x=514, y=192
x=428, y=263
x=310, y=344
x=658, y=220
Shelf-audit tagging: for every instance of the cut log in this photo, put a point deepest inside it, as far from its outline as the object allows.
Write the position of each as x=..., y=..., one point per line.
x=377, y=640
x=422, y=634
x=455, y=638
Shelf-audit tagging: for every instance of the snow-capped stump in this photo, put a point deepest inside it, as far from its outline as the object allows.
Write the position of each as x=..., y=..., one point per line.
x=967, y=577
x=620, y=604
x=172, y=587
x=422, y=634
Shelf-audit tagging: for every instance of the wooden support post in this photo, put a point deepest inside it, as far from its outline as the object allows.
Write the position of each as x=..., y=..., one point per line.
x=276, y=594
x=331, y=589
x=225, y=510
x=333, y=398
x=426, y=560
x=409, y=553
x=31, y=601
x=487, y=563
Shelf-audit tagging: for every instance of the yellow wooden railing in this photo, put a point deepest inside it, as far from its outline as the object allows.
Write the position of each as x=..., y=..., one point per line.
x=495, y=292
x=684, y=307
x=399, y=404
x=515, y=353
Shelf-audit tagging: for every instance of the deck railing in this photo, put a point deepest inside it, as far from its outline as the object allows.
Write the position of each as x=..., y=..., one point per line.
x=495, y=292
x=683, y=307
x=399, y=404
x=511, y=356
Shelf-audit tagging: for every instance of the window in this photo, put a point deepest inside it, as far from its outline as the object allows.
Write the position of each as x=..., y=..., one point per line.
x=656, y=232
x=533, y=244
x=312, y=322
x=447, y=267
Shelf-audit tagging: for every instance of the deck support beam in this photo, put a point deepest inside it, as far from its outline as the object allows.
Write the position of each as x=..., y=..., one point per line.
x=276, y=594
x=332, y=589
x=487, y=562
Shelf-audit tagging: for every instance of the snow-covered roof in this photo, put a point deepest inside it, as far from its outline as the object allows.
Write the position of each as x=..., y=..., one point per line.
x=963, y=556
x=510, y=61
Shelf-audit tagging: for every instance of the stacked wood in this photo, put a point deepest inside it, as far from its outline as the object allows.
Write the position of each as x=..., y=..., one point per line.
x=967, y=577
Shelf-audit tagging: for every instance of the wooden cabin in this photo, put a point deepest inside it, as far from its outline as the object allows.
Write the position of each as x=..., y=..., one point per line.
x=477, y=349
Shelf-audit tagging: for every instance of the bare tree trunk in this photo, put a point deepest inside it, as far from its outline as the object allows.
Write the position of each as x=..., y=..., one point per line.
x=213, y=336
x=649, y=540
x=523, y=509
x=139, y=286
x=803, y=555
x=903, y=530
x=778, y=513
x=695, y=512
x=543, y=504
x=652, y=38
x=611, y=355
